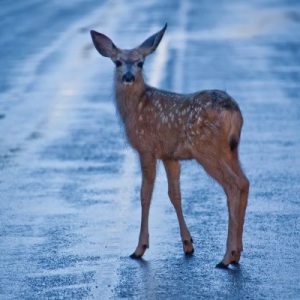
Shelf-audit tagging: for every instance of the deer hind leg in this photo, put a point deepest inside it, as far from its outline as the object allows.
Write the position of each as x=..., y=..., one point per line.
x=225, y=171
x=244, y=186
x=148, y=167
x=173, y=174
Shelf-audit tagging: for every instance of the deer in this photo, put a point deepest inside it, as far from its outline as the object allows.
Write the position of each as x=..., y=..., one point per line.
x=170, y=127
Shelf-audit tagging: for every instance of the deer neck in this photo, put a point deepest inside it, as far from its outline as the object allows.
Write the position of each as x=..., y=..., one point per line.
x=128, y=97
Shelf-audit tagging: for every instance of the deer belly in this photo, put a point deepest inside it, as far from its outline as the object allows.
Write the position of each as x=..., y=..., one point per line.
x=182, y=151
x=176, y=151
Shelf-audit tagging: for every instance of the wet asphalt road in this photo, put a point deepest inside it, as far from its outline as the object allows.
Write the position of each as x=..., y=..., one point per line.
x=69, y=184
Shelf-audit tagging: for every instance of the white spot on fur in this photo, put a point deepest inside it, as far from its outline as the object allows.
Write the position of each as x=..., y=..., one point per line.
x=140, y=106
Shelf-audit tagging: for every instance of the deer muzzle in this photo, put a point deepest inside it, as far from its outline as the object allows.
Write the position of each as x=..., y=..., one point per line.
x=128, y=78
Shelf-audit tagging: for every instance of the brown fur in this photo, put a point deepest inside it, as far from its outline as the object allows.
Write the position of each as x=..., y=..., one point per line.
x=166, y=126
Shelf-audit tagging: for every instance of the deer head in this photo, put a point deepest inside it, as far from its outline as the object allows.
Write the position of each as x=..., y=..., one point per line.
x=129, y=63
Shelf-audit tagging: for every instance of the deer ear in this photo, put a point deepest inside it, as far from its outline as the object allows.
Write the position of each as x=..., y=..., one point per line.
x=103, y=44
x=151, y=43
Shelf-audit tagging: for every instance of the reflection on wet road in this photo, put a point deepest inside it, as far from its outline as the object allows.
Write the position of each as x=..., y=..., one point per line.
x=69, y=184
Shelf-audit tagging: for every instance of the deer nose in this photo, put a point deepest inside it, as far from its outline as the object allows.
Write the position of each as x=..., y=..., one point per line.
x=128, y=77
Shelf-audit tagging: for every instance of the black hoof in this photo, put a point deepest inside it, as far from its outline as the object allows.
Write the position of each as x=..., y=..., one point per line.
x=189, y=253
x=135, y=256
x=235, y=264
x=221, y=265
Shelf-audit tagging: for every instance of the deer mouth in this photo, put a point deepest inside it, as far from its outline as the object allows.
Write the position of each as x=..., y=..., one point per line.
x=127, y=83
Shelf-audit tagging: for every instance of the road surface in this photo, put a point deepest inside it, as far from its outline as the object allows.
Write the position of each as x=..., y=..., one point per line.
x=69, y=183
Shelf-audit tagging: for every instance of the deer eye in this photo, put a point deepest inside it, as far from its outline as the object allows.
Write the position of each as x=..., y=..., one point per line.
x=140, y=64
x=118, y=63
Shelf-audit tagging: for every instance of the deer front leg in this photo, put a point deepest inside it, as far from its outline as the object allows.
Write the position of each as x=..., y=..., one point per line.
x=173, y=173
x=148, y=168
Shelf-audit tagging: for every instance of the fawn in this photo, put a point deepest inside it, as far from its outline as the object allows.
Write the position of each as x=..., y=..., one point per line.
x=204, y=126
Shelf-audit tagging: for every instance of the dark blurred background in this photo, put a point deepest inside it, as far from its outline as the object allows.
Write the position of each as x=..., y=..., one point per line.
x=69, y=184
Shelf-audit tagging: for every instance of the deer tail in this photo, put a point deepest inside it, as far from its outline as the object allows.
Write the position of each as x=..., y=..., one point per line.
x=236, y=123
